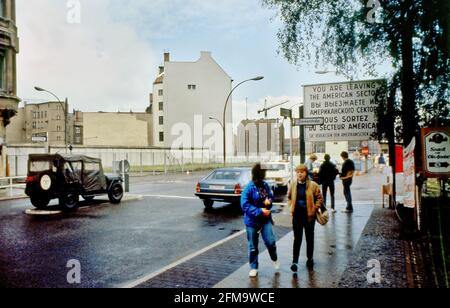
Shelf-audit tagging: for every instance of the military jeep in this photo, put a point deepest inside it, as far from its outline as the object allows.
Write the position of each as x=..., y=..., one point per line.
x=67, y=177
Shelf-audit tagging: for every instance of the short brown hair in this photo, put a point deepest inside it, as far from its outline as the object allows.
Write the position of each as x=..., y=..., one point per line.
x=301, y=167
x=344, y=155
x=258, y=173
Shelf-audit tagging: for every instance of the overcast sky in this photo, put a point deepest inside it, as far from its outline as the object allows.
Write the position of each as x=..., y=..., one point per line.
x=109, y=60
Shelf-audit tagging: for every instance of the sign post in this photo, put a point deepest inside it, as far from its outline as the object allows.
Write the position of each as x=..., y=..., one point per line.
x=436, y=152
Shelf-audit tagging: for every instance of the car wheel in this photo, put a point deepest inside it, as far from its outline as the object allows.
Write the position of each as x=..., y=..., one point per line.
x=40, y=202
x=69, y=201
x=115, y=193
x=88, y=198
x=208, y=203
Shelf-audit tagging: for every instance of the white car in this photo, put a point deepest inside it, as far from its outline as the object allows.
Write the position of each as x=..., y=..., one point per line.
x=279, y=172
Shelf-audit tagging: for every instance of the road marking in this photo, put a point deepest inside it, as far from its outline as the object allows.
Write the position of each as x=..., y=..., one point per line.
x=176, y=263
x=170, y=197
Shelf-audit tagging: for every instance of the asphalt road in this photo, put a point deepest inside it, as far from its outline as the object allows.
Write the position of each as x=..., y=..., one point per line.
x=114, y=244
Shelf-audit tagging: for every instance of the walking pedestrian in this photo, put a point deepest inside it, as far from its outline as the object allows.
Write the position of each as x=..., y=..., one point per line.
x=381, y=162
x=256, y=203
x=327, y=177
x=310, y=166
x=347, y=173
x=304, y=198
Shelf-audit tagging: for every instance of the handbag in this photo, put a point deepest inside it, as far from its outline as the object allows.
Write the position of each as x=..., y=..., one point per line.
x=322, y=216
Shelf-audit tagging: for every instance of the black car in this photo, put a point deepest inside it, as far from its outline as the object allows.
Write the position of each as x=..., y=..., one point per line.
x=67, y=177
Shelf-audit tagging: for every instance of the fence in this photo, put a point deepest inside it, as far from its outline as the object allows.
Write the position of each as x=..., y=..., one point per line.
x=12, y=182
x=142, y=160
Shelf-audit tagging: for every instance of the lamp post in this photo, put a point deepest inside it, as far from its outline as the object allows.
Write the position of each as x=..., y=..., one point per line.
x=212, y=118
x=64, y=110
x=224, y=116
x=323, y=72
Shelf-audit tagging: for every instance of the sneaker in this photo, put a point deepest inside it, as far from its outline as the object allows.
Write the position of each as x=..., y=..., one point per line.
x=310, y=264
x=276, y=265
x=347, y=211
x=333, y=211
x=253, y=273
x=294, y=267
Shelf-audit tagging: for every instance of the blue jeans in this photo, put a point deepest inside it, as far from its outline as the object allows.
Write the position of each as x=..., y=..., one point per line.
x=253, y=239
x=348, y=194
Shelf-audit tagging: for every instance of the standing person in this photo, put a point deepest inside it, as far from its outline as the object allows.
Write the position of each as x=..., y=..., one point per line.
x=304, y=198
x=348, y=170
x=256, y=202
x=381, y=162
x=310, y=165
x=327, y=176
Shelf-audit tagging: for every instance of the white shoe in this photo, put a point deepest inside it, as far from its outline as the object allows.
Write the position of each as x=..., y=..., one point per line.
x=276, y=265
x=333, y=211
x=253, y=273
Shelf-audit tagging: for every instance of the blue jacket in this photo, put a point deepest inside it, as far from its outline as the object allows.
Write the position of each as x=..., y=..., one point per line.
x=252, y=205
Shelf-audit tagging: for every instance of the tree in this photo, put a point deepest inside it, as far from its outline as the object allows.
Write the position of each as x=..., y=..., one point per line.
x=413, y=34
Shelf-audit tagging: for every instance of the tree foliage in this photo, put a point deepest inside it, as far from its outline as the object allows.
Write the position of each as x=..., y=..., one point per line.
x=413, y=34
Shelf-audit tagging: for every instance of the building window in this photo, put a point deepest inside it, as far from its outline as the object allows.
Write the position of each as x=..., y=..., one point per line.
x=58, y=118
x=58, y=128
x=160, y=92
x=192, y=87
x=58, y=138
x=34, y=125
x=161, y=106
x=77, y=130
x=161, y=120
x=45, y=114
x=2, y=68
x=2, y=8
x=161, y=136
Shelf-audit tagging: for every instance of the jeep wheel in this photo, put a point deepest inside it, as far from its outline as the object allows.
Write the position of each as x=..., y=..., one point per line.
x=69, y=202
x=40, y=202
x=208, y=204
x=115, y=193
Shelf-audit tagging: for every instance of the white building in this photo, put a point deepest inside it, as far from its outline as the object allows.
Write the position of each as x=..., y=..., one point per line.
x=185, y=96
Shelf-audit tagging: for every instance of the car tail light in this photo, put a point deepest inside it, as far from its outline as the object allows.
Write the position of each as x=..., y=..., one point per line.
x=31, y=179
x=198, y=188
x=237, y=189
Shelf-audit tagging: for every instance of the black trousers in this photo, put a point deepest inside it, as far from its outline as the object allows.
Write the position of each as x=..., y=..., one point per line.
x=300, y=223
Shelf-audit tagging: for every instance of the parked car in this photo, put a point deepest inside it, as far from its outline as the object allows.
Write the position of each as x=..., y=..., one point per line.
x=225, y=185
x=280, y=173
x=67, y=177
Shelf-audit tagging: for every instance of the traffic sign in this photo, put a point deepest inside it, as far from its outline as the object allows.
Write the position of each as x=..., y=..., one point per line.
x=436, y=152
x=309, y=121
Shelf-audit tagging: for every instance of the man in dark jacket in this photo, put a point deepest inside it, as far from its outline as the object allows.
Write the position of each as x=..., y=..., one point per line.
x=327, y=176
x=348, y=170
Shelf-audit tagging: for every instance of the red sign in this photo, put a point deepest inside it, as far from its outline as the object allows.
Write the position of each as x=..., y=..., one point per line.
x=365, y=151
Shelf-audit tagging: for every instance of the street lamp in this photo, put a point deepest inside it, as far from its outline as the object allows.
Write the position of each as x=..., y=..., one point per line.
x=323, y=72
x=212, y=118
x=64, y=110
x=224, y=116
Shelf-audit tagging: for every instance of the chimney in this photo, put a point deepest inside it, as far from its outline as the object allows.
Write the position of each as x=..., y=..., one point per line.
x=161, y=70
x=166, y=57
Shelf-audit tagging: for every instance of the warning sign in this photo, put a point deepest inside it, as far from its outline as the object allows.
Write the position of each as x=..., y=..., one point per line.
x=348, y=110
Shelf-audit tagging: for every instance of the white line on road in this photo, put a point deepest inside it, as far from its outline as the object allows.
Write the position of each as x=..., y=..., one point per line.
x=191, y=256
x=170, y=197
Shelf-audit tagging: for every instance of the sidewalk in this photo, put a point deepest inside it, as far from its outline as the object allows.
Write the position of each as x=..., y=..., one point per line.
x=8, y=194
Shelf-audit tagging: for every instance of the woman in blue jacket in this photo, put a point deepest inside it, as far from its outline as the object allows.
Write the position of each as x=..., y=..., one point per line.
x=256, y=202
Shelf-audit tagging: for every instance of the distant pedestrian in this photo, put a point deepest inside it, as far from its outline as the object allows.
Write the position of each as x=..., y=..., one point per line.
x=327, y=177
x=381, y=162
x=347, y=173
x=310, y=165
x=256, y=203
x=304, y=198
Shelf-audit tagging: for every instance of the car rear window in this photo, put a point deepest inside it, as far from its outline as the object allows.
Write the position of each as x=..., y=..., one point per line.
x=225, y=175
x=39, y=166
x=92, y=167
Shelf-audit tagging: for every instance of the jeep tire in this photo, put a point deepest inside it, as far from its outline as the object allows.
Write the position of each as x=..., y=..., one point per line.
x=115, y=193
x=69, y=201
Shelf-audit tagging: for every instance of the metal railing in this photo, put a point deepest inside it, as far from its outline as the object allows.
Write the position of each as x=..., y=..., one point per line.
x=13, y=183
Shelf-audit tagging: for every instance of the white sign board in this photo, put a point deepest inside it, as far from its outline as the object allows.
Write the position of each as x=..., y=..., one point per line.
x=348, y=110
x=309, y=122
x=436, y=152
x=39, y=139
x=409, y=175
